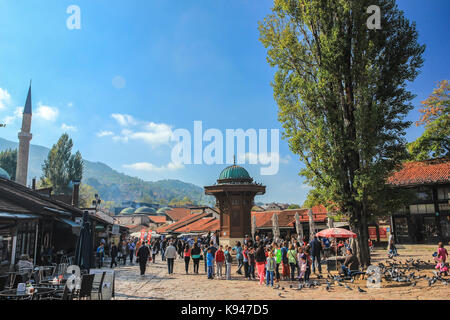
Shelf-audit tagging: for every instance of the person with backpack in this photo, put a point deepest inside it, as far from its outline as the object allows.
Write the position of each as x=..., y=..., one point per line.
x=228, y=261
x=196, y=256
x=239, y=257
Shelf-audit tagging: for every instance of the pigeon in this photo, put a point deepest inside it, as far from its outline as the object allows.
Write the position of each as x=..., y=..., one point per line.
x=328, y=286
x=413, y=284
x=279, y=294
x=290, y=286
x=348, y=287
x=353, y=280
x=339, y=283
x=300, y=286
x=361, y=290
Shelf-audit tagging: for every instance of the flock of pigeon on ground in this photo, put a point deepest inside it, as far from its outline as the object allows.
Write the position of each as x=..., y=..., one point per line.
x=407, y=272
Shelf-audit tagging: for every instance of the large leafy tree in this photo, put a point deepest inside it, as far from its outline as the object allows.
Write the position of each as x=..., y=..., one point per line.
x=342, y=98
x=61, y=166
x=8, y=161
x=435, y=141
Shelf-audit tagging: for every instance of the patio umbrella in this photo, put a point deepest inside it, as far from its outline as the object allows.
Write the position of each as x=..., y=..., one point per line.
x=312, y=227
x=275, y=228
x=83, y=251
x=336, y=233
x=299, y=228
x=253, y=227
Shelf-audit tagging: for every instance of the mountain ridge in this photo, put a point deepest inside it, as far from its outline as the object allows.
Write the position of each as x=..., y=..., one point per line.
x=113, y=185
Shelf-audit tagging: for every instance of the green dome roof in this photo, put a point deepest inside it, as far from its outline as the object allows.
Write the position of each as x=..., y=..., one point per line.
x=4, y=174
x=129, y=210
x=145, y=209
x=234, y=172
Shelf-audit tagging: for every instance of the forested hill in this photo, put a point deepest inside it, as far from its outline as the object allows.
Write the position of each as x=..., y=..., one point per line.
x=115, y=186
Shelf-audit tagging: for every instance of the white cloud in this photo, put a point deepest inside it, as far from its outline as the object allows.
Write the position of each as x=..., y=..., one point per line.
x=124, y=120
x=5, y=98
x=66, y=127
x=105, y=133
x=47, y=113
x=17, y=115
x=147, y=166
x=262, y=158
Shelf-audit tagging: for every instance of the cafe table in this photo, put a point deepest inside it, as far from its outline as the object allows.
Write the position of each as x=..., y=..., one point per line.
x=39, y=292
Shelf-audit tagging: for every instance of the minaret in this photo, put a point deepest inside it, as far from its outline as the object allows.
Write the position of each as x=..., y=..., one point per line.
x=24, y=143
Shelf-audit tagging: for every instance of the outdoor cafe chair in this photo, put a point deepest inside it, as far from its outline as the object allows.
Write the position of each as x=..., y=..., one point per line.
x=86, y=286
x=3, y=281
x=98, y=287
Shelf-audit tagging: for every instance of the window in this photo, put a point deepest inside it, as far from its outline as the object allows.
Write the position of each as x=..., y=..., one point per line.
x=424, y=195
x=235, y=202
x=401, y=227
x=421, y=209
x=444, y=193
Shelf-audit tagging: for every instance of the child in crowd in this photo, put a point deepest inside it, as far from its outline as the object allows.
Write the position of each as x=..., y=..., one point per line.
x=271, y=264
x=220, y=258
x=252, y=262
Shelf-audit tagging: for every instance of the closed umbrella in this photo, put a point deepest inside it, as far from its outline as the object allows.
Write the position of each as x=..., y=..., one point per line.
x=83, y=251
x=312, y=227
x=275, y=228
x=330, y=223
x=299, y=228
x=253, y=227
x=336, y=233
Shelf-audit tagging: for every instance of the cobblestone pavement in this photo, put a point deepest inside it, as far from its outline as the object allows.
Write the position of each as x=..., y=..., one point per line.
x=159, y=285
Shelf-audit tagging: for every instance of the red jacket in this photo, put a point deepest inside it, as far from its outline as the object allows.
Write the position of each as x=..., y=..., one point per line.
x=220, y=257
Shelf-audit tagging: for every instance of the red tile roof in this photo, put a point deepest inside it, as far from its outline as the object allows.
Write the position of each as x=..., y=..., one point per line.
x=178, y=213
x=422, y=172
x=197, y=226
x=182, y=222
x=286, y=218
x=158, y=219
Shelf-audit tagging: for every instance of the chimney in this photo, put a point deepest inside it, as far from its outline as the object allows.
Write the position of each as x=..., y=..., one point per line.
x=33, y=184
x=75, y=193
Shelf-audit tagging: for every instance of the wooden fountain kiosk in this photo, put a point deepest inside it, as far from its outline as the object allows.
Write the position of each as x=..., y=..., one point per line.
x=234, y=192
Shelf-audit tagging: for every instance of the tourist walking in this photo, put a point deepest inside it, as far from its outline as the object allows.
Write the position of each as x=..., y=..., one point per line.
x=171, y=254
x=187, y=257
x=154, y=251
x=142, y=256
x=239, y=257
x=219, y=258
x=124, y=252
x=260, y=257
x=316, y=249
x=270, y=268
x=228, y=261
x=113, y=254
x=163, y=250
x=100, y=254
x=131, y=248
x=196, y=254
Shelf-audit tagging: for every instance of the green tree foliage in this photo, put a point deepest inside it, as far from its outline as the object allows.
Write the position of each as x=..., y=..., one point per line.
x=342, y=98
x=293, y=206
x=8, y=161
x=87, y=195
x=61, y=167
x=435, y=141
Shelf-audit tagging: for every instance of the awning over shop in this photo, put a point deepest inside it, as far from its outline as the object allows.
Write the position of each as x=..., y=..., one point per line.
x=17, y=216
x=75, y=226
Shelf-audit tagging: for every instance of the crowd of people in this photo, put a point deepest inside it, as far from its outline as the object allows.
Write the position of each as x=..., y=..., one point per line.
x=261, y=259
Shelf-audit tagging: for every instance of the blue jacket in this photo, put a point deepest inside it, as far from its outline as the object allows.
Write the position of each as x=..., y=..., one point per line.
x=209, y=259
x=239, y=254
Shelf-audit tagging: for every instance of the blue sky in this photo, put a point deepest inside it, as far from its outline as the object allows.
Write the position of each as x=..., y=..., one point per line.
x=165, y=63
